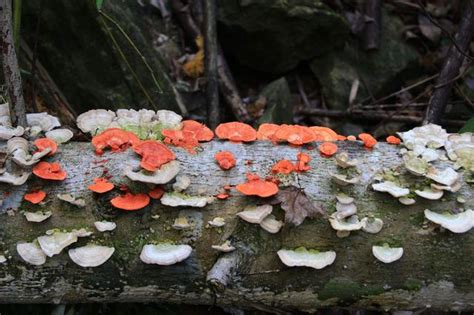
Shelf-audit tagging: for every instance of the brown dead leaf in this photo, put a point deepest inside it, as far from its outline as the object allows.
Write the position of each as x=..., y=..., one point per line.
x=297, y=205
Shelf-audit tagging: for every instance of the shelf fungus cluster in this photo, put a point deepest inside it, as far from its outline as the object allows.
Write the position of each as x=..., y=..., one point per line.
x=261, y=215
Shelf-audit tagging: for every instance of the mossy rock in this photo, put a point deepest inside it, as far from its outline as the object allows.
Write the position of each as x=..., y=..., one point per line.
x=378, y=71
x=274, y=36
x=278, y=103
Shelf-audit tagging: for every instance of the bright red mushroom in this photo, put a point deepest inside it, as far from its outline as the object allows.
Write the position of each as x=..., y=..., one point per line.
x=267, y=132
x=328, y=148
x=130, y=202
x=44, y=143
x=303, y=160
x=35, y=196
x=115, y=138
x=393, y=140
x=154, y=154
x=156, y=193
x=324, y=133
x=283, y=167
x=236, y=132
x=255, y=186
x=369, y=141
x=225, y=159
x=101, y=185
x=294, y=134
x=201, y=132
x=51, y=171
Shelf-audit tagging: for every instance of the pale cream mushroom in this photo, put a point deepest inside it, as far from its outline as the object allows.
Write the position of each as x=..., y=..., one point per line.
x=271, y=224
x=169, y=119
x=343, y=180
x=407, y=201
x=351, y=223
x=446, y=177
x=13, y=179
x=342, y=160
x=429, y=135
x=456, y=223
x=165, y=254
x=182, y=182
x=453, y=188
x=415, y=165
x=225, y=247
x=78, y=202
x=301, y=257
x=105, y=226
x=18, y=149
x=391, y=188
x=31, y=253
x=53, y=244
x=175, y=199
x=255, y=214
x=387, y=254
x=217, y=222
x=343, y=198
x=163, y=175
x=181, y=223
x=43, y=120
x=38, y=216
x=60, y=136
x=429, y=193
x=344, y=210
x=95, y=120
x=90, y=255
x=371, y=225
x=10, y=132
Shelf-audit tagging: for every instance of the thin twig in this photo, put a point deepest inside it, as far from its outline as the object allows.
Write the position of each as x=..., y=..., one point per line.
x=211, y=64
x=33, y=62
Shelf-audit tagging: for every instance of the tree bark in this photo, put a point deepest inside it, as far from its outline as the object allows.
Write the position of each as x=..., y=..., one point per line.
x=11, y=70
x=435, y=272
x=451, y=65
x=211, y=56
x=372, y=31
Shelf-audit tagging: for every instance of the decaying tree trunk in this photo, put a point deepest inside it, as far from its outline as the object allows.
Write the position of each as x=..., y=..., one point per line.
x=435, y=272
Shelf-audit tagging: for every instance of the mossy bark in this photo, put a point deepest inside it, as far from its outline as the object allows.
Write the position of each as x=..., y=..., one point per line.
x=435, y=271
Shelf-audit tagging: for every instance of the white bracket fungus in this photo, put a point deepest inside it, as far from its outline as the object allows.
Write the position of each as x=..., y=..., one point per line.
x=391, y=188
x=371, y=225
x=344, y=210
x=181, y=223
x=10, y=132
x=94, y=121
x=165, y=254
x=446, y=177
x=350, y=224
x=43, y=120
x=18, y=149
x=178, y=200
x=78, y=202
x=432, y=136
x=271, y=224
x=13, y=179
x=255, y=214
x=169, y=119
x=343, y=160
x=161, y=176
x=301, y=257
x=182, y=182
x=343, y=180
x=415, y=165
x=31, y=253
x=217, y=222
x=225, y=247
x=38, y=216
x=60, y=136
x=344, y=199
x=53, y=244
x=407, y=201
x=456, y=223
x=105, y=226
x=387, y=254
x=431, y=194
x=90, y=255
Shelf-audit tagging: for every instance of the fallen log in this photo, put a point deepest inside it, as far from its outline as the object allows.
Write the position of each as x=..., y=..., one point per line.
x=435, y=272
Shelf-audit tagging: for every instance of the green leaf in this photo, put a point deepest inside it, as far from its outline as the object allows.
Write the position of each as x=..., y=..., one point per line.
x=468, y=127
x=98, y=4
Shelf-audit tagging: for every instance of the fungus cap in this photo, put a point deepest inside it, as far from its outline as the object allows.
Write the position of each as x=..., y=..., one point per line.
x=446, y=177
x=7, y=133
x=342, y=180
x=79, y=202
x=181, y=223
x=323, y=133
x=59, y=136
x=344, y=210
x=35, y=197
x=344, y=199
x=391, y=188
x=271, y=224
x=342, y=160
x=202, y=132
x=351, y=223
x=456, y=223
x=44, y=143
x=415, y=165
x=301, y=257
x=429, y=193
x=51, y=171
x=236, y=132
x=387, y=254
x=267, y=131
x=328, y=148
x=130, y=202
x=105, y=226
x=255, y=214
x=257, y=187
x=225, y=159
x=283, y=167
x=165, y=254
x=31, y=253
x=115, y=138
x=154, y=154
x=181, y=200
x=43, y=120
x=369, y=141
x=53, y=244
x=217, y=222
x=101, y=185
x=95, y=120
x=182, y=182
x=407, y=201
x=14, y=179
x=90, y=255
x=371, y=225
x=453, y=188
x=225, y=247
x=162, y=175
x=169, y=119
x=294, y=134
x=38, y=216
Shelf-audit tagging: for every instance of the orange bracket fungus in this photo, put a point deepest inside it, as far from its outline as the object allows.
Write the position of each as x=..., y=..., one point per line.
x=44, y=143
x=225, y=159
x=255, y=186
x=283, y=167
x=130, y=202
x=50, y=171
x=324, y=134
x=328, y=148
x=156, y=193
x=201, y=132
x=115, y=138
x=154, y=154
x=236, y=132
x=101, y=185
x=267, y=131
x=369, y=141
x=295, y=134
x=393, y=140
x=35, y=196
x=181, y=138
x=303, y=160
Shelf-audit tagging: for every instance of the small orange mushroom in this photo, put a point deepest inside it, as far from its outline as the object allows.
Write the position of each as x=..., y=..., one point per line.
x=50, y=171
x=201, y=132
x=225, y=159
x=101, y=185
x=328, y=148
x=154, y=154
x=267, y=131
x=156, y=193
x=324, y=133
x=181, y=138
x=369, y=141
x=255, y=186
x=302, y=164
x=393, y=140
x=130, y=202
x=295, y=134
x=35, y=196
x=283, y=167
x=44, y=143
x=236, y=131
x=222, y=196
x=115, y=138
x=351, y=138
